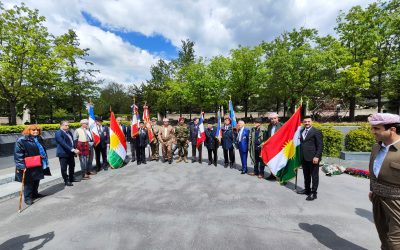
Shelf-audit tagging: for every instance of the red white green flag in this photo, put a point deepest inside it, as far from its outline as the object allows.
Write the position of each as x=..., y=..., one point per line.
x=117, y=152
x=281, y=152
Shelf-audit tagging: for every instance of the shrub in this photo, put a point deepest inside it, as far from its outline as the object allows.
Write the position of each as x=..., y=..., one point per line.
x=360, y=140
x=333, y=140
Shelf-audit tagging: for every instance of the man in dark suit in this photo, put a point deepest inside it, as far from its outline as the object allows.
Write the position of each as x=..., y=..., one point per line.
x=211, y=143
x=193, y=134
x=227, y=142
x=273, y=127
x=311, y=146
x=243, y=144
x=141, y=143
x=66, y=152
x=101, y=148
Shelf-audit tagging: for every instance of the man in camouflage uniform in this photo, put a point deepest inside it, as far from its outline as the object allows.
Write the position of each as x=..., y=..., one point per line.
x=155, y=144
x=182, y=137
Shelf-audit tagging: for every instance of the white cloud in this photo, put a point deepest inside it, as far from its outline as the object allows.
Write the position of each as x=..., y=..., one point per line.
x=215, y=26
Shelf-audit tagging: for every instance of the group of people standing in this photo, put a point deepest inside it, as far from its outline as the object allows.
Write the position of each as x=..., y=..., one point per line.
x=80, y=143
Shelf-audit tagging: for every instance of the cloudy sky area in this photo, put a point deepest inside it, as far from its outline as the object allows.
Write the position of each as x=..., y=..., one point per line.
x=126, y=37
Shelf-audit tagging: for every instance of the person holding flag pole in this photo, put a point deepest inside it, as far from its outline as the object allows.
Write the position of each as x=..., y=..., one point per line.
x=146, y=119
x=133, y=130
x=117, y=152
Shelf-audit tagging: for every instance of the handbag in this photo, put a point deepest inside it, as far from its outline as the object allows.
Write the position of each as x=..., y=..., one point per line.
x=33, y=161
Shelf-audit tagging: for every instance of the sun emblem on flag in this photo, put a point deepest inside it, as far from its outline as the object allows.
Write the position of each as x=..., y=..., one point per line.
x=289, y=150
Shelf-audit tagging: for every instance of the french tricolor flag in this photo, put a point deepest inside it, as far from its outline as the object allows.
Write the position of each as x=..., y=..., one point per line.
x=201, y=136
x=92, y=124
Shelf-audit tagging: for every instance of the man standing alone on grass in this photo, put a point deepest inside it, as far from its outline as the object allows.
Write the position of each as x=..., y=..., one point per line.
x=384, y=168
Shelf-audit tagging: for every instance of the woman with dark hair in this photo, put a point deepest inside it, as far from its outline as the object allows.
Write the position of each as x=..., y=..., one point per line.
x=29, y=145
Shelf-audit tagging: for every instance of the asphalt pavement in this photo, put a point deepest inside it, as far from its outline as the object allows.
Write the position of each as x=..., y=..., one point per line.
x=191, y=206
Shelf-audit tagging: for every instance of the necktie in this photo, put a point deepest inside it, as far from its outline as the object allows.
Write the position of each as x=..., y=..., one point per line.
x=305, y=133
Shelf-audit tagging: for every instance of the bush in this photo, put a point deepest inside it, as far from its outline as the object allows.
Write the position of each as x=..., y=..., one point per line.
x=360, y=140
x=333, y=140
x=46, y=127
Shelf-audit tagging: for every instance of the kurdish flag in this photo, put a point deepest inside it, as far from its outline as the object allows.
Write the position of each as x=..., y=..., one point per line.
x=92, y=125
x=281, y=152
x=201, y=136
x=117, y=153
x=218, y=132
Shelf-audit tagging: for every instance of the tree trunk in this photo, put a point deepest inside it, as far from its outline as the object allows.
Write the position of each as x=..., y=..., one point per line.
x=278, y=105
x=352, y=108
x=284, y=108
x=379, y=94
x=13, y=111
x=246, y=107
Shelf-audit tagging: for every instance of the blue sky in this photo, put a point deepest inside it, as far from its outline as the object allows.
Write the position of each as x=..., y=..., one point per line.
x=155, y=44
x=126, y=37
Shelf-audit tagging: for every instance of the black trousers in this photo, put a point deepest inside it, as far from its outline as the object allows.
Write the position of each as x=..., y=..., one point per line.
x=231, y=158
x=311, y=173
x=133, y=150
x=31, y=189
x=212, y=152
x=103, y=152
x=200, y=149
x=67, y=165
x=258, y=163
x=141, y=154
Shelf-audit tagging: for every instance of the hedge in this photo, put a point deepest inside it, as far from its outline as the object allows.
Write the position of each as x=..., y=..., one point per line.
x=333, y=140
x=19, y=128
x=359, y=140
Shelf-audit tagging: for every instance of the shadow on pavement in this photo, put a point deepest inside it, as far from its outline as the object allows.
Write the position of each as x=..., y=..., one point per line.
x=365, y=213
x=53, y=189
x=18, y=242
x=328, y=238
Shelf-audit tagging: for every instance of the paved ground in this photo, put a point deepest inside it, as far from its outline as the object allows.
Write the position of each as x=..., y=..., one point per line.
x=191, y=206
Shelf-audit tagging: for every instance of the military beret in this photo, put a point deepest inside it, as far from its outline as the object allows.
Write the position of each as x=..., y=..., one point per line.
x=181, y=118
x=383, y=118
x=98, y=118
x=154, y=119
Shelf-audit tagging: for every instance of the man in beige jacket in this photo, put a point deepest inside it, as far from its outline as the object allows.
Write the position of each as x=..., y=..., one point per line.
x=166, y=136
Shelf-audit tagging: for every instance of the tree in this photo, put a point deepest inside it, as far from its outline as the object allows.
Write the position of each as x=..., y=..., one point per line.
x=24, y=56
x=247, y=74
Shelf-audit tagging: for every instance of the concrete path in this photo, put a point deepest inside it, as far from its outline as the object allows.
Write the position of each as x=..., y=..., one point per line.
x=191, y=206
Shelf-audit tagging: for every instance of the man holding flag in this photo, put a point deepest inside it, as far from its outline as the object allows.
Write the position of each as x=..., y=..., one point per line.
x=197, y=145
x=133, y=130
x=281, y=152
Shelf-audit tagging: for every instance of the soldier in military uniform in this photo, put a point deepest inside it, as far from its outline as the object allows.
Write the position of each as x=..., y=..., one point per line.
x=182, y=140
x=155, y=144
x=384, y=168
x=166, y=137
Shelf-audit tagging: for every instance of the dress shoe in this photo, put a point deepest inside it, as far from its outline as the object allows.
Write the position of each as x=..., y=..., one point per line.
x=209, y=163
x=139, y=163
x=75, y=180
x=231, y=165
x=302, y=192
x=310, y=198
x=144, y=162
x=28, y=202
x=193, y=160
x=158, y=160
x=200, y=161
x=271, y=177
x=106, y=169
x=37, y=196
x=69, y=184
x=215, y=163
x=242, y=172
x=170, y=161
x=226, y=165
x=133, y=160
x=314, y=196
